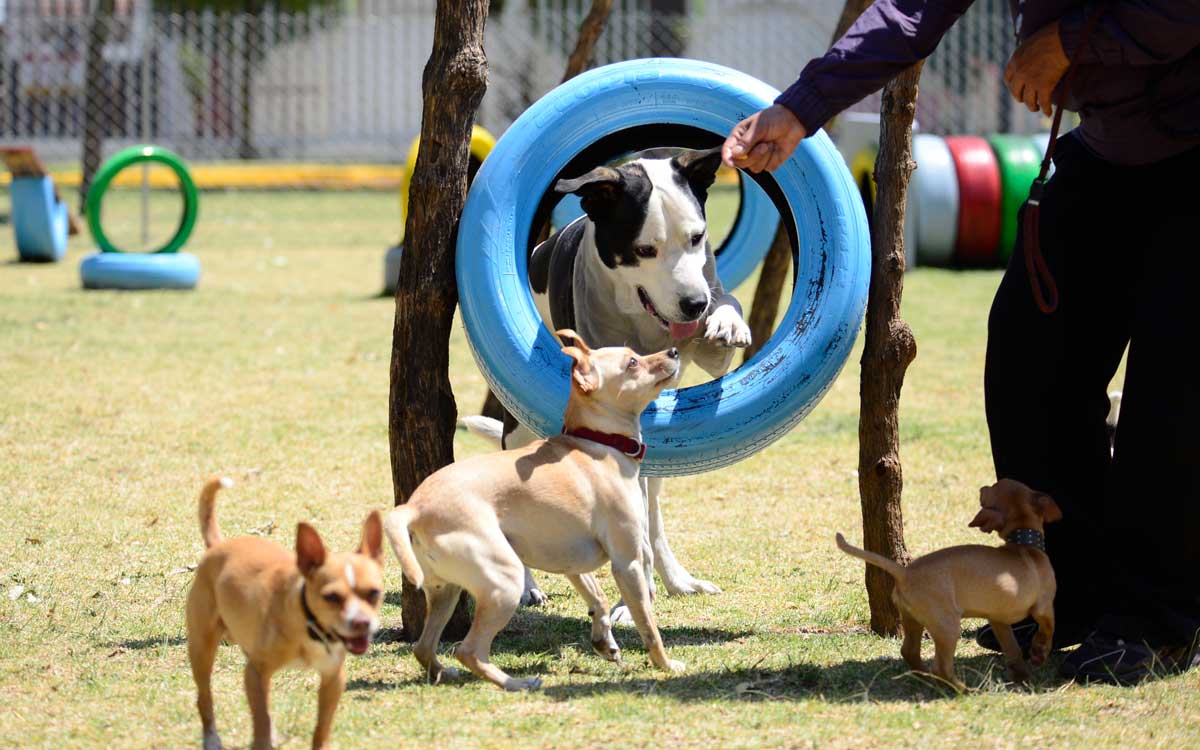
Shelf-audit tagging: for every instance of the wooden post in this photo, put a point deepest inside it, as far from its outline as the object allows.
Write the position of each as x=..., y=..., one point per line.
x=96, y=124
x=421, y=410
x=888, y=350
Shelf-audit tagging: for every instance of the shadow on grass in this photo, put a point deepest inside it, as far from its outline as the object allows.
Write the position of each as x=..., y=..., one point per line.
x=137, y=644
x=532, y=631
x=882, y=679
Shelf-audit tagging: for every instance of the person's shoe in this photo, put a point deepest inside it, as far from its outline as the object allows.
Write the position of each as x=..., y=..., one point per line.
x=1104, y=657
x=1065, y=636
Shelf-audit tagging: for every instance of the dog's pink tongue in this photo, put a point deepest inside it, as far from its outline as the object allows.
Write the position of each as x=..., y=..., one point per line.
x=680, y=331
x=358, y=646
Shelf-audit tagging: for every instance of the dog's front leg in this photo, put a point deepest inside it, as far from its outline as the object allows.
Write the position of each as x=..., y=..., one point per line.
x=258, y=693
x=631, y=581
x=620, y=613
x=676, y=580
x=328, y=695
x=725, y=325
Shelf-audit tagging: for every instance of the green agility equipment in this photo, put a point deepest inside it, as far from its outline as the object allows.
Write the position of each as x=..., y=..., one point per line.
x=1019, y=161
x=137, y=155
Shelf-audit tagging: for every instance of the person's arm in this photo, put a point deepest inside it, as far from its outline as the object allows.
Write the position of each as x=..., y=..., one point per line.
x=889, y=37
x=1132, y=32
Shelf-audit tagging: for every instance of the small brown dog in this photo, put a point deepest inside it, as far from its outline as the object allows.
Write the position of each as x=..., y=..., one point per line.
x=1001, y=584
x=285, y=610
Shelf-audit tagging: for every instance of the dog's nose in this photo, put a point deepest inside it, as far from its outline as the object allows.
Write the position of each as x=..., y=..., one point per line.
x=693, y=307
x=360, y=624
x=673, y=353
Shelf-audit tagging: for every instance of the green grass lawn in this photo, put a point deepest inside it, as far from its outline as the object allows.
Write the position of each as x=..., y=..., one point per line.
x=116, y=405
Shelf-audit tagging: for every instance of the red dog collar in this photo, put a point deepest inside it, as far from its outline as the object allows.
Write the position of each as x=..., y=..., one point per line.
x=623, y=443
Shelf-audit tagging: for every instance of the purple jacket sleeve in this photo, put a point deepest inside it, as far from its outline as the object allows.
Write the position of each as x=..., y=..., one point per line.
x=887, y=38
x=1133, y=32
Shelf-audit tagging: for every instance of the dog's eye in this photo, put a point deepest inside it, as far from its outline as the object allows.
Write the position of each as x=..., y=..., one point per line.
x=372, y=597
x=632, y=363
x=333, y=598
x=697, y=238
x=645, y=251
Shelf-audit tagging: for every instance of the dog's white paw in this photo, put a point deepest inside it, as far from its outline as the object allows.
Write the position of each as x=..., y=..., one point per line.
x=534, y=597
x=688, y=586
x=726, y=327
x=514, y=684
x=607, y=648
x=675, y=667
x=621, y=615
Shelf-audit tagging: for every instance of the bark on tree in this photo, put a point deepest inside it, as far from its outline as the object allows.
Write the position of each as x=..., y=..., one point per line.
x=888, y=350
x=579, y=61
x=96, y=122
x=252, y=52
x=421, y=410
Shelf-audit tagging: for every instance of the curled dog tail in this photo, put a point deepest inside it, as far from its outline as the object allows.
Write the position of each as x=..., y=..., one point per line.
x=209, y=528
x=485, y=427
x=879, y=561
x=395, y=525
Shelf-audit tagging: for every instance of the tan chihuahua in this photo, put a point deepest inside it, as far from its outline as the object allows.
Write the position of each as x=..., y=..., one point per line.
x=564, y=505
x=285, y=610
x=1001, y=584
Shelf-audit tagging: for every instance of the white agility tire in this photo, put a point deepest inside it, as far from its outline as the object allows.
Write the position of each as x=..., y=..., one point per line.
x=693, y=429
x=934, y=200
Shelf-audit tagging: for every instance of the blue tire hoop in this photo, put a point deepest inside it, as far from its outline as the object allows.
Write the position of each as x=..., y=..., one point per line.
x=706, y=426
x=140, y=271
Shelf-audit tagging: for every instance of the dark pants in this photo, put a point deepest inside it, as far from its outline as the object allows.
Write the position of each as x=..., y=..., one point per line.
x=1123, y=244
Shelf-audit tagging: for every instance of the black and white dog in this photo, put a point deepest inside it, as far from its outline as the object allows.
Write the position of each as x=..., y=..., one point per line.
x=638, y=271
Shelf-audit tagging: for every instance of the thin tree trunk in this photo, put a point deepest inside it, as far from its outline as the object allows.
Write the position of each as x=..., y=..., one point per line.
x=765, y=308
x=888, y=350
x=96, y=103
x=579, y=61
x=252, y=52
x=421, y=408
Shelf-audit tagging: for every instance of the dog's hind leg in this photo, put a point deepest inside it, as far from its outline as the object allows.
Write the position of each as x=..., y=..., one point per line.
x=440, y=600
x=676, y=580
x=204, y=636
x=603, y=642
x=517, y=435
x=496, y=587
x=532, y=595
x=911, y=648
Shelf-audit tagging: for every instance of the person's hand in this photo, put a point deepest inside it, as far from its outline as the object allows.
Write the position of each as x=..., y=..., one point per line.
x=1036, y=68
x=763, y=140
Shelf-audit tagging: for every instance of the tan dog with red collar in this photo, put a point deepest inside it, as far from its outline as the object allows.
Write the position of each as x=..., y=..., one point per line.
x=285, y=610
x=1001, y=584
x=564, y=505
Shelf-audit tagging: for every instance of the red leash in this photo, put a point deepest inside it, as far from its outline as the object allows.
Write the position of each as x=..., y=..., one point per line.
x=1035, y=262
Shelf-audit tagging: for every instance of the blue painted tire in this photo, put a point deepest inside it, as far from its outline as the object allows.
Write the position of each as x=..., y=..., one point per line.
x=741, y=251
x=391, y=268
x=40, y=222
x=140, y=271
x=693, y=429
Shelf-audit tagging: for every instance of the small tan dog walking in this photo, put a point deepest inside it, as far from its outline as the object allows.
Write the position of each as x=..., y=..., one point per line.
x=304, y=609
x=564, y=505
x=1003, y=584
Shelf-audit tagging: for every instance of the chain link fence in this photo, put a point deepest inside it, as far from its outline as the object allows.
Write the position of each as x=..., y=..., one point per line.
x=342, y=81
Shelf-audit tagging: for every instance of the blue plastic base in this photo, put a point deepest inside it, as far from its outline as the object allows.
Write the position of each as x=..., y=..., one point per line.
x=39, y=220
x=140, y=271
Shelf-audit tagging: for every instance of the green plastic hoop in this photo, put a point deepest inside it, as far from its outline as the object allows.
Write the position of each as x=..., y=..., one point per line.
x=135, y=155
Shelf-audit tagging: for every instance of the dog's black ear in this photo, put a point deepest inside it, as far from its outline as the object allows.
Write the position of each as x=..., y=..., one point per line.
x=699, y=168
x=599, y=191
x=310, y=550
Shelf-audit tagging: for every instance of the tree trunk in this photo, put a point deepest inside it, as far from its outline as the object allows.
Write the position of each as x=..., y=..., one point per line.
x=421, y=409
x=96, y=96
x=580, y=60
x=765, y=308
x=888, y=350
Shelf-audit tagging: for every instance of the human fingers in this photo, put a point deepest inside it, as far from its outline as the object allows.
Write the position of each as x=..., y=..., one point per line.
x=758, y=157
